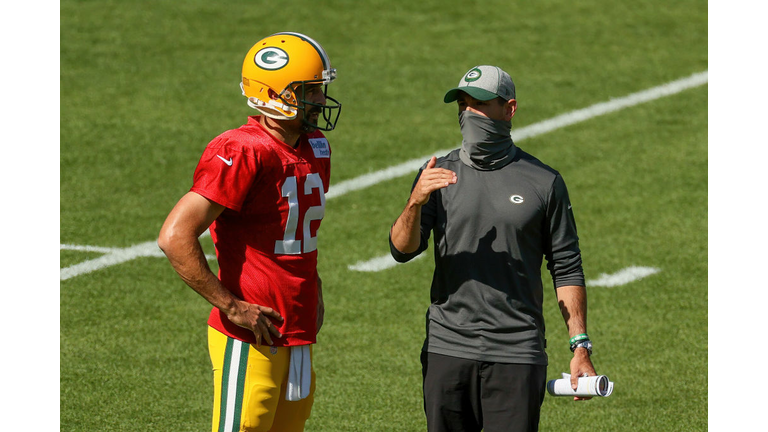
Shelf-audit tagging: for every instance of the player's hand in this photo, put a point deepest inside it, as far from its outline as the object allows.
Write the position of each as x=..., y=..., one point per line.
x=581, y=366
x=258, y=319
x=431, y=179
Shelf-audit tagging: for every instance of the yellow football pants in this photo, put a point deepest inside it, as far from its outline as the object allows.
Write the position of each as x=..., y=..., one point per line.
x=249, y=387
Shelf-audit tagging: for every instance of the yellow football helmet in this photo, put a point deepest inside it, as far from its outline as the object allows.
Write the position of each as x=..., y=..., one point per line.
x=277, y=67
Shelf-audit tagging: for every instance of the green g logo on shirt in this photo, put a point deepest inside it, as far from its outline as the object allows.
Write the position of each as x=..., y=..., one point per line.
x=473, y=75
x=271, y=58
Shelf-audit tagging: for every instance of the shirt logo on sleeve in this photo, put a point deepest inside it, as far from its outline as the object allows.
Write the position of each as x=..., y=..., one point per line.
x=226, y=161
x=320, y=147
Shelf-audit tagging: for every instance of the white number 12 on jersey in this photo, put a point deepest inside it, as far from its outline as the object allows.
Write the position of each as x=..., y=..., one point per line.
x=289, y=245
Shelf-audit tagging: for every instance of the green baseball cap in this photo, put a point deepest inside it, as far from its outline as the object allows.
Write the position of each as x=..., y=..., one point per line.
x=484, y=83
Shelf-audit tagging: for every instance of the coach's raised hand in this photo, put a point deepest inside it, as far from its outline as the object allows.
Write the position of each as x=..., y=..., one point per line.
x=405, y=233
x=430, y=180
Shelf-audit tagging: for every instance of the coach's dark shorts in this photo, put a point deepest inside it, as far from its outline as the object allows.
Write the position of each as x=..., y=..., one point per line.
x=470, y=395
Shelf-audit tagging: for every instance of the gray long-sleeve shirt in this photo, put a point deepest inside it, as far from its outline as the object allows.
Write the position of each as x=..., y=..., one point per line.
x=491, y=230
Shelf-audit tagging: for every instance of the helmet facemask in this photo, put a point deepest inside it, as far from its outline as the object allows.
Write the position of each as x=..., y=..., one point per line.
x=329, y=112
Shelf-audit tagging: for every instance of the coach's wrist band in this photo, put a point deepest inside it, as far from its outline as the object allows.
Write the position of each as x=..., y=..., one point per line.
x=579, y=337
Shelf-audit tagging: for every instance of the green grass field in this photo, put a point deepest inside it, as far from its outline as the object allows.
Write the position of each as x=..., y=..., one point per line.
x=145, y=85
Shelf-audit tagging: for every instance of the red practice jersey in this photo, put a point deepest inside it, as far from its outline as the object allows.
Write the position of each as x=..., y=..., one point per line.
x=266, y=238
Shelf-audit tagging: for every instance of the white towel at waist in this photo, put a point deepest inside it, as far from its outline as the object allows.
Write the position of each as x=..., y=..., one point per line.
x=299, y=373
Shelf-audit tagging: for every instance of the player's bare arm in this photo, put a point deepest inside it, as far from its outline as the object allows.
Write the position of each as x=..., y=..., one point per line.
x=178, y=239
x=405, y=231
x=573, y=305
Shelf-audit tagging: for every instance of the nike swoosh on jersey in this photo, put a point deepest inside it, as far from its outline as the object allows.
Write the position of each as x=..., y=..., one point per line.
x=226, y=161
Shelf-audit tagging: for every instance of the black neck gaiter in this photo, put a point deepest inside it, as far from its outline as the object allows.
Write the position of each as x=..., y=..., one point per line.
x=487, y=144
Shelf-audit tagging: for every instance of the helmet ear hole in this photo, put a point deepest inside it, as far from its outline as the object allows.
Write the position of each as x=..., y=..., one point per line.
x=287, y=95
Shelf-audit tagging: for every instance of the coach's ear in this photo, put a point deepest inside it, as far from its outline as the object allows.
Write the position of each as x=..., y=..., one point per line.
x=510, y=108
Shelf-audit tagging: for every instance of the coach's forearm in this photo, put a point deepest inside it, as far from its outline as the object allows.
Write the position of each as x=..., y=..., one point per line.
x=405, y=233
x=573, y=305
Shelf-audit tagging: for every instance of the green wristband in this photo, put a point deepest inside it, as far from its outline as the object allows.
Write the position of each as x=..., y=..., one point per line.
x=579, y=337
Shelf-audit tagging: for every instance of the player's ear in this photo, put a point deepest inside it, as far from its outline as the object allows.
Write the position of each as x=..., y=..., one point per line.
x=510, y=108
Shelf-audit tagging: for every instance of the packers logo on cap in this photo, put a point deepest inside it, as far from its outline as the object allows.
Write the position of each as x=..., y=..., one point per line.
x=473, y=75
x=271, y=58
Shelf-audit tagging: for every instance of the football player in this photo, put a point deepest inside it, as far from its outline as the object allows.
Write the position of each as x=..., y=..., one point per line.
x=261, y=190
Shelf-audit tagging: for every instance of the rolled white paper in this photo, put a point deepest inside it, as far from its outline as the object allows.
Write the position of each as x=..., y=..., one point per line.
x=591, y=386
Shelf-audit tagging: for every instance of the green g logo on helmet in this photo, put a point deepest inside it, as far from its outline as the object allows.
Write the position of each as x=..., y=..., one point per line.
x=473, y=75
x=271, y=58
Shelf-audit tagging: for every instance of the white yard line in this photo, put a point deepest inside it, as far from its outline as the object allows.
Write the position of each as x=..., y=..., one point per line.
x=381, y=263
x=533, y=130
x=623, y=277
x=377, y=264
x=81, y=248
x=115, y=256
